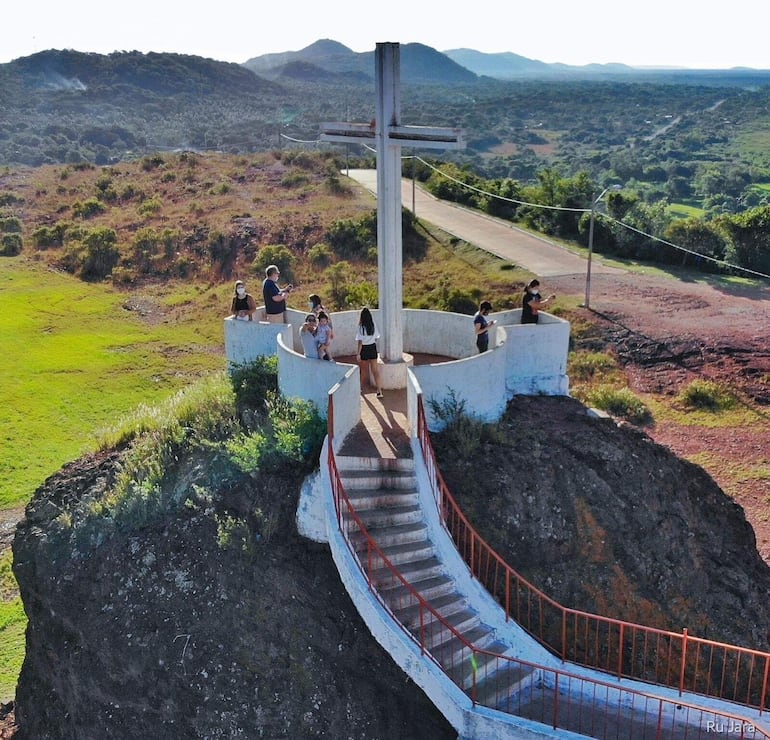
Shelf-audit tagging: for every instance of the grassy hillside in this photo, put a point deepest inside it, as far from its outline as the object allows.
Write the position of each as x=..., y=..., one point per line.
x=87, y=340
x=77, y=355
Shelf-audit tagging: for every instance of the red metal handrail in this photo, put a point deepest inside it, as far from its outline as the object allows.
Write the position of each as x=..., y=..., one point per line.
x=624, y=649
x=577, y=703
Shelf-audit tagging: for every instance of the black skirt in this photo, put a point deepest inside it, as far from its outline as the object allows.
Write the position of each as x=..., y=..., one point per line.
x=369, y=351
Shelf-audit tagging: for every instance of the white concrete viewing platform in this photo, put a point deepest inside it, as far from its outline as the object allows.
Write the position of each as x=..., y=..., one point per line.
x=523, y=359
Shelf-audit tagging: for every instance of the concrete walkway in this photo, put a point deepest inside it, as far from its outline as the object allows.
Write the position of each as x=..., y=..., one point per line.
x=493, y=235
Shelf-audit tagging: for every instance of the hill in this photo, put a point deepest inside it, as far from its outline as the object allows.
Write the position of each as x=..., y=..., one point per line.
x=419, y=63
x=213, y=617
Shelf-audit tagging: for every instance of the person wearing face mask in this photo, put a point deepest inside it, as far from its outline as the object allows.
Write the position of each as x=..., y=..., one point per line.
x=315, y=304
x=243, y=305
x=532, y=302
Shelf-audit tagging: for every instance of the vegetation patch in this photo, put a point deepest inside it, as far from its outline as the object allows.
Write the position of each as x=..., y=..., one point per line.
x=707, y=395
x=619, y=402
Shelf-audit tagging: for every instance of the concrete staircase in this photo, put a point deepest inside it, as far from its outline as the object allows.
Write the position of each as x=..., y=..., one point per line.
x=383, y=492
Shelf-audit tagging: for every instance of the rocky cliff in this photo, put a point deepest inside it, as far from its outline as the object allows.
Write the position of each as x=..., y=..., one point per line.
x=216, y=620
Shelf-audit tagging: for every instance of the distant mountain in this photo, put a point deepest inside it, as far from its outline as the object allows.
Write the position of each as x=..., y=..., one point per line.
x=419, y=64
x=507, y=65
x=153, y=73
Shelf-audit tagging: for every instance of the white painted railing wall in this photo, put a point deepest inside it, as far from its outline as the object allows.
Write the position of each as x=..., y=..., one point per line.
x=522, y=360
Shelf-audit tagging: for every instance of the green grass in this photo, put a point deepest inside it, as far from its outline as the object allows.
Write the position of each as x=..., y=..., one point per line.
x=75, y=359
x=683, y=210
x=13, y=622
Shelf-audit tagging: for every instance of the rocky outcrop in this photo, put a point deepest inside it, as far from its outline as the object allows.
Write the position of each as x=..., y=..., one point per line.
x=216, y=620
x=604, y=520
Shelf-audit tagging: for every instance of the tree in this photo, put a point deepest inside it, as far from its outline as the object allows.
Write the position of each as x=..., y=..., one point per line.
x=749, y=238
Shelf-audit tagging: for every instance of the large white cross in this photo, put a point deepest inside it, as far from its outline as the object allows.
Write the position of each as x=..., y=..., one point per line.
x=388, y=136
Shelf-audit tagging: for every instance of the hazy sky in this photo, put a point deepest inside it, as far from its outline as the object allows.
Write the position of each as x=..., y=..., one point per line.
x=653, y=33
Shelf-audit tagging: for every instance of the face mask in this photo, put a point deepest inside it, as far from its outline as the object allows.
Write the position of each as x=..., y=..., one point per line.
x=241, y=292
x=310, y=304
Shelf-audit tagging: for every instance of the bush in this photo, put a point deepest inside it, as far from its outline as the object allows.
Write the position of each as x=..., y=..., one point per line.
x=253, y=381
x=319, y=255
x=707, y=395
x=587, y=365
x=150, y=206
x=278, y=255
x=352, y=238
x=10, y=245
x=88, y=209
x=619, y=402
x=10, y=225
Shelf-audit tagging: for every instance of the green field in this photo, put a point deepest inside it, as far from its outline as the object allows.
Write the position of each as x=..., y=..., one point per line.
x=75, y=358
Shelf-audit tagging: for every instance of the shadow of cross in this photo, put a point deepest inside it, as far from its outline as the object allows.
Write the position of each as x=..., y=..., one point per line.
x=388, y=136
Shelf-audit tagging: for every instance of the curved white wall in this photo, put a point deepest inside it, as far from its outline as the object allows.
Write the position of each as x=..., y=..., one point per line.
x=310, y=379
x=524, y=359
x=247, y=340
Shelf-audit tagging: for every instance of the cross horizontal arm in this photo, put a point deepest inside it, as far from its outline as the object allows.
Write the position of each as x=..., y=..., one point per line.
x=427, y=137
x=346, y=132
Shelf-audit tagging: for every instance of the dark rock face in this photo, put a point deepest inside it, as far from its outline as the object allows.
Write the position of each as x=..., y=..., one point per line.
x=193, y=628
x=216, y=620
x=604, y=520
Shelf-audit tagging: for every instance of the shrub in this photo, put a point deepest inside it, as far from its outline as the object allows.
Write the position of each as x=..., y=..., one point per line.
x=152, y=162
x=707, y=395
x=461, y=433
x=352, y=238
x=619, y=402
x=150, y=206
x=10, y=225
x=294, y=178
x=587, y=365
x=88, y=209
x=274, y=254
x=252, y=382
x=319, y=255
x=10, y=245
x=94, y=256
x=8, y=198
x=49, y=236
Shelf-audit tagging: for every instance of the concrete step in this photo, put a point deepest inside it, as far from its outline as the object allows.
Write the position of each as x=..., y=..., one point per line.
x=375, y=519
x=462, y=621
x=354, y=480
x=486, y=663
x=398, y=595
x=372, y=498
x=496, y=688
x=350, y=462
x=409, y=551
x=454, y=650
x=399, y=534
x=413, y=571
x=443, y=605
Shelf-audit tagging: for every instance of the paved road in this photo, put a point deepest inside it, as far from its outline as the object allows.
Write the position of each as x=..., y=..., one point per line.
x=497, y=236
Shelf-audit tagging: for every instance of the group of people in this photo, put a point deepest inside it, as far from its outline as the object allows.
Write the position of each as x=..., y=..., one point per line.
x=316, y=332
x=531, y=305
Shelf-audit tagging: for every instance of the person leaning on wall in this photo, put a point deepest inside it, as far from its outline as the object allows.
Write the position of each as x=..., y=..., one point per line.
x=275, y=296
x=243, y=304
x=532, y=302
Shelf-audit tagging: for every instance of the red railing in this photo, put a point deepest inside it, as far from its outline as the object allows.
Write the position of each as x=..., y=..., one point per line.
x=559, y=699
x=623, y=649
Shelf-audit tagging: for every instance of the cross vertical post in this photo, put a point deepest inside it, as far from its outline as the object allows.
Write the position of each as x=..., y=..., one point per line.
x=389, y=231
x=388, y=136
